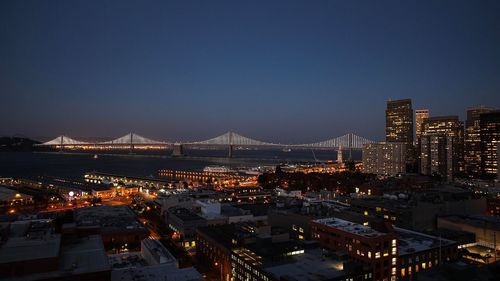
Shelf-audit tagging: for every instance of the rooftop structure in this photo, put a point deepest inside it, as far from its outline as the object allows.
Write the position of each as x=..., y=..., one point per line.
x=350, y=227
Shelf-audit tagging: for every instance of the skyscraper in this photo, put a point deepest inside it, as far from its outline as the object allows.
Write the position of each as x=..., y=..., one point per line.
x=399, y=121
x=420, y=116
x=441, y=147
x=384, y=158
x=472, y=151
x=490, y=139
x=399, y=127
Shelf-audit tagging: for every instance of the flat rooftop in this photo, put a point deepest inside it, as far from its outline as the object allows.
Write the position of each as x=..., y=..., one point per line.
x=30, y=240
x=184, y=214
x=311, y=266
x=481, y=221
x=156, y=273
x=109, y=218
x=410, y=242
x=82, y=255
x=350, y=227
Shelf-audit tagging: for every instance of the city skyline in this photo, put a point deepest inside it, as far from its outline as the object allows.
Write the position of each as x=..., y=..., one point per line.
x=293, y=73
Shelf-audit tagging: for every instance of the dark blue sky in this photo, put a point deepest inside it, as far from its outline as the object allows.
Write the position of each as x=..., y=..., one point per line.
x=284, y=71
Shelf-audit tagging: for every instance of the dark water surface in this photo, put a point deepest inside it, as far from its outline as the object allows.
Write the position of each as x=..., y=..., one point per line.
x=74, y=165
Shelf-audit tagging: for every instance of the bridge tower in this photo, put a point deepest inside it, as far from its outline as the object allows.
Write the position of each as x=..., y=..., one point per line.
x=131, y=143
x=178, y=150
x=61, y=147
x=230, y=152
x=350, y=147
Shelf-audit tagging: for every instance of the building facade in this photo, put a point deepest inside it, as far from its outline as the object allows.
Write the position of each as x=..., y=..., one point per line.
x=362, y=243
x=441, y=147
x=490, y=139
x=420, y=116
x=385, y=158
x=472, y=147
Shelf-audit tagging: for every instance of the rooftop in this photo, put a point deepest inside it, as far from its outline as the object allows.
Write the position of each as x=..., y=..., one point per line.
x=311, y=266
x=30, y=240
x=481, y=221
x=184, y=214
x=155, y=273
x=411, y=241
x=350, y=227
x=109, y=218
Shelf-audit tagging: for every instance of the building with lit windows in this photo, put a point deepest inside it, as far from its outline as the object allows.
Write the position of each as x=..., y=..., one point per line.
x=392, y=253
x=472, y=143
x=399, y=121
x=441, y=147
x=490, y=139
x=419, y=252
x=249, y=251
x=375, y=246
x=420, y=116
x=385, y=158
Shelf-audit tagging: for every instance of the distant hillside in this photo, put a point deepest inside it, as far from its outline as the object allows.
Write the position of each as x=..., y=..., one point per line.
x=16, y=144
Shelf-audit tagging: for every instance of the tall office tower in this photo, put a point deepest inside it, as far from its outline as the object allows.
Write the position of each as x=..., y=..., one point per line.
x=441, y=147
x=399, y=127
x=490, y=139
x=420, y=116
x=384, y=158
x=472, y=151
x=399, y=121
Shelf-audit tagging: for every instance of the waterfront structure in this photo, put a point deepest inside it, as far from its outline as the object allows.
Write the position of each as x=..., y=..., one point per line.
x=385, y=158
x=420, y=116
x=441, y=147
x=490, y=140
x=472, y=146
x=230, y=140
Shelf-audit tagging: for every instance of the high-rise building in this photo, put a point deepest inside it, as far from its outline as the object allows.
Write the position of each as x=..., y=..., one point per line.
x=472, y=151
x=399, y=121
x=399, y=127
x=490, y=139
x=384, y=158
x=420, y=116
x=441, y=147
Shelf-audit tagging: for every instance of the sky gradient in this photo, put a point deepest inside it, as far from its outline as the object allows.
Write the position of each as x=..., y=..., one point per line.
x=282, y=71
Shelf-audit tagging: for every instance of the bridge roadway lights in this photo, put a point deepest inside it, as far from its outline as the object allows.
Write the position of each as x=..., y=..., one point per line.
x=178, y=150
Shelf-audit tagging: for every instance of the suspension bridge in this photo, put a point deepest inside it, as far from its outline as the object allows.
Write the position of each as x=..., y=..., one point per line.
x=231, y=140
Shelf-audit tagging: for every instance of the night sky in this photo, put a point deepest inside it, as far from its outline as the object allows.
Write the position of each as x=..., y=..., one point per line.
x=282, y=71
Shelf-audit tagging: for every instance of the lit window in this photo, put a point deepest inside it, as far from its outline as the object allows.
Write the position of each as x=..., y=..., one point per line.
x=369, y=255
x=402, y=272
x=377, y=255
x=393, y=261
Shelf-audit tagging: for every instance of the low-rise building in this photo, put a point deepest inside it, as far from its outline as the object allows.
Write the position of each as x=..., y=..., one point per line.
x=31, y=250
x=153, y=263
